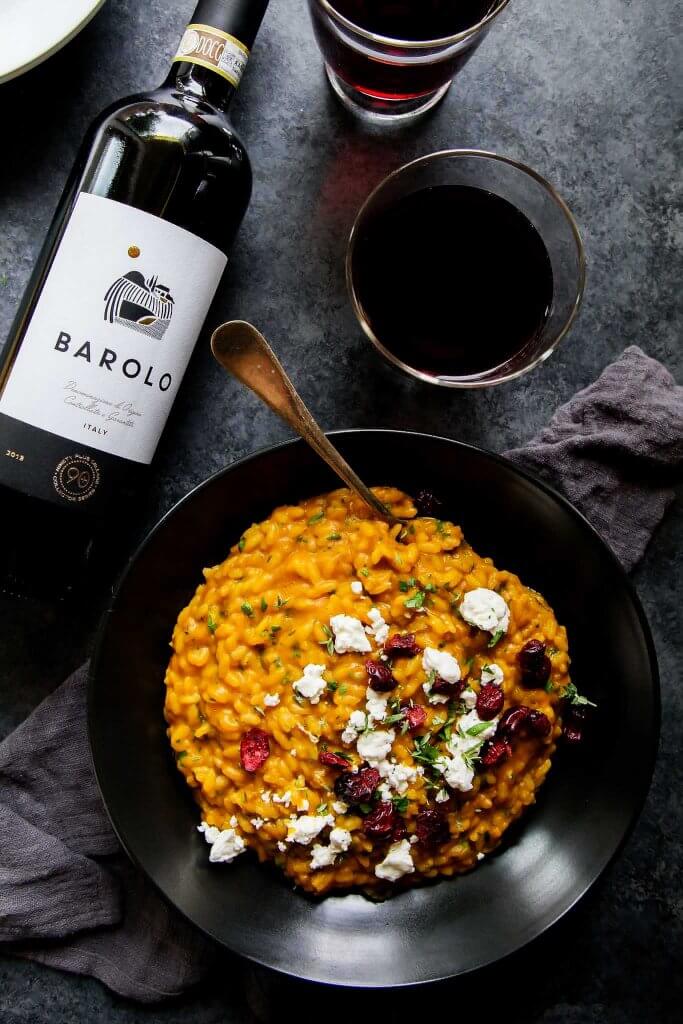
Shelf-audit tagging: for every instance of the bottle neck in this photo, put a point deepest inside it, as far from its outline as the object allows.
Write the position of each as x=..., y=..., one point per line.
x=214, y=50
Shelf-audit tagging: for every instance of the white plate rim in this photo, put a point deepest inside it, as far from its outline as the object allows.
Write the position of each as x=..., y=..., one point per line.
x=20, y=69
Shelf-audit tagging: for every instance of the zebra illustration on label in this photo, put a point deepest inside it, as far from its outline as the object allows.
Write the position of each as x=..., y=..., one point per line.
x=142, y=304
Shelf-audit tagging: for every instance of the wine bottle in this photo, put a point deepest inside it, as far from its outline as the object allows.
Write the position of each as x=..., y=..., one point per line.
x=119, y=295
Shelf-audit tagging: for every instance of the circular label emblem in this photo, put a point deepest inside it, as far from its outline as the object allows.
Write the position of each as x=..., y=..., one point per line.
x=76, y=477
x=189, y=43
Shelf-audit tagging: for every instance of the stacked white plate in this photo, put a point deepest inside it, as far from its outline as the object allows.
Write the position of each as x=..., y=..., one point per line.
x=32, y=30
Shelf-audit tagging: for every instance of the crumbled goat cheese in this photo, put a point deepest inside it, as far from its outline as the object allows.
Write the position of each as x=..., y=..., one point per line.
x=304, y=830
x=441, y=662
x=292, y=752
x=271, y=700
x=339, y=807
x=257, y=823
x=233, y=822
x=480, y=856
x=325, y=856
x=349, y=635
x=378, y=628
x=492, y=674
x=266, y=796
x=311, y=685
x=356, y=723
x=282, y=847
x=285, y=798
x=485, y=609
x=469, y=698
x=225, y=844
x=397, y=863
x=456, y=773
x=397, y=776
x=374, y=746
x=442, y=796
x=357, y=587
x=376, y=705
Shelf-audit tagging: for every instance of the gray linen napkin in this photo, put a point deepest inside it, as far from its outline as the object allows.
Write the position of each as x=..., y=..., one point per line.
x=69, y=897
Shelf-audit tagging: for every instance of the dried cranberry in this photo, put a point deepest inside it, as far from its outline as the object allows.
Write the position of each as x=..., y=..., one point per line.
x=357, y=787
x=399, y=831
x=494, y=752
x=443, y=687
x=333, y=760
x=380, y=676
x=513, y=720
x=402, y=644
x=531, y=655
x=490, y=701
x=381, y=821
x=432, y=826
x=254, y=750
x=416, y=716
x=427, y=504
x=572, y=733
x=539, y=724
x=535, y=664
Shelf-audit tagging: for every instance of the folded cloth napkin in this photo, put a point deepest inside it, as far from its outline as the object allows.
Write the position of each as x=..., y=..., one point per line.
x=69, y=897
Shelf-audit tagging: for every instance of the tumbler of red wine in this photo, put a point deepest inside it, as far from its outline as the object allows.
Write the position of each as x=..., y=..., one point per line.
x=465, y=268
x=390, y=60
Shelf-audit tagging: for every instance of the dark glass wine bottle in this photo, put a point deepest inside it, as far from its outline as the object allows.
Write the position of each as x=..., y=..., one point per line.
x=117, y=300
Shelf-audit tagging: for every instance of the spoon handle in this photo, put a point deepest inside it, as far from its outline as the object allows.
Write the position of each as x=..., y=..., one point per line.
x=245, y=353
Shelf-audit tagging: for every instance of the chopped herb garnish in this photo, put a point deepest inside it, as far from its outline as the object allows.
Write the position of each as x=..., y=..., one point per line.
x=332, y=686
x=470, y=662
x=496, y=637
x=264, y=604
x=343, y=754
x=478, y=729
x=364, y=571
x=400, y=803
x=316, y=518
x=406, y=585
x=329, y=643
x=571, y=694
x=274, y=630
x=392, y=719
x=321, y=809
x=247, y=609
x=424, y=751
x=278, y=662
x=280, y=602
x=242, y=541
x=365, y=808
x=549, y=686
x=342, y=689
x=212, y=620
x=334, y=536
x=440, y=526
x=553, y=650
x=416, y=601
x=180, y=755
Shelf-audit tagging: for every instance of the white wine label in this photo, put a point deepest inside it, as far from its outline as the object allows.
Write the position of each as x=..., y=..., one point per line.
x=213, y=49
x=114, y=328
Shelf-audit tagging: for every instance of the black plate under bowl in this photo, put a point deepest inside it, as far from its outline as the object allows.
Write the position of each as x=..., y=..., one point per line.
x=585, y=809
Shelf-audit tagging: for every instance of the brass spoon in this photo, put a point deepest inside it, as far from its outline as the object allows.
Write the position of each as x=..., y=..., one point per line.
x=245, y=353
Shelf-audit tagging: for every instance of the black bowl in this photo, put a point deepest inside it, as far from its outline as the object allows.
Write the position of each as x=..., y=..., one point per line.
x=585, y=810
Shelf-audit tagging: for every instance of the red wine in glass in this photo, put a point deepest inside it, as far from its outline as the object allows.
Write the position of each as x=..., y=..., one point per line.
x=452, y=279
x=396, y=74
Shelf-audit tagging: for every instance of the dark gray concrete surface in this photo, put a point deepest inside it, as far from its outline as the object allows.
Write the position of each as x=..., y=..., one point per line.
x=588, y=93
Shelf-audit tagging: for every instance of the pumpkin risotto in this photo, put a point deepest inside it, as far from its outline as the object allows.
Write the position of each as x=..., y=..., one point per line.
x=363, y=703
